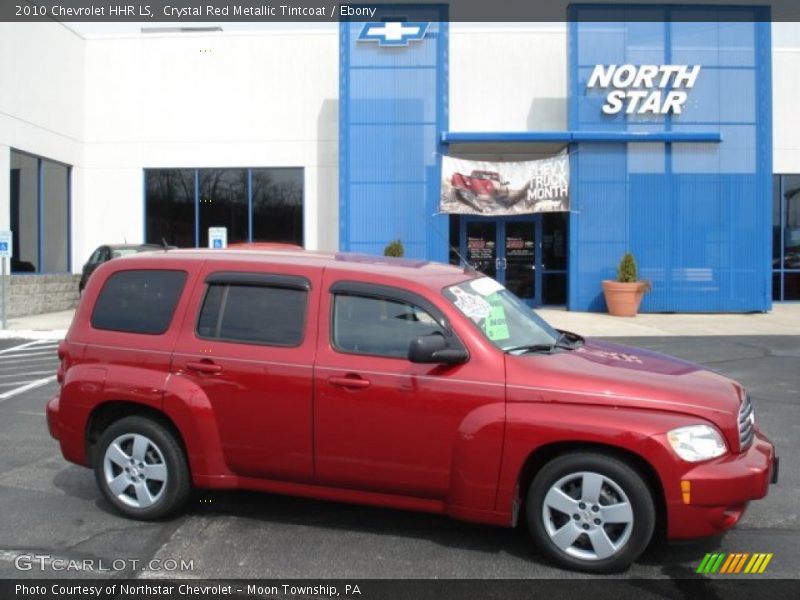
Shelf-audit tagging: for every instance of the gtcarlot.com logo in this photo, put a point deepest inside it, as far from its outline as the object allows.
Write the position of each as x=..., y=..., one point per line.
x=735, y=563
x=46, y=562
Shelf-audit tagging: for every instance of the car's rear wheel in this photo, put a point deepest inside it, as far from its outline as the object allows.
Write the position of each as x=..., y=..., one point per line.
x=141, y=469
x=590, y=512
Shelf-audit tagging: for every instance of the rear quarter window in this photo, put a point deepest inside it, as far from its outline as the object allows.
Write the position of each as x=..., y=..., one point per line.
x=138, y=301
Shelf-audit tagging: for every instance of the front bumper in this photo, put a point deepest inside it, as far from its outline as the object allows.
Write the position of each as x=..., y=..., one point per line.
x=714, y=495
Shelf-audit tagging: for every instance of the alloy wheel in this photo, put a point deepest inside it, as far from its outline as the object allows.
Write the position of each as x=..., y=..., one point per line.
x=135, y=471
x=588, y=516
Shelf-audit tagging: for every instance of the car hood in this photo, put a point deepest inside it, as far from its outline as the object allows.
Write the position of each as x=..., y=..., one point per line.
x=603, y=373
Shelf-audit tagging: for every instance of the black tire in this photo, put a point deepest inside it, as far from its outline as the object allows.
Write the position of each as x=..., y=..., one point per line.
x=162, y=457
x=600, y=546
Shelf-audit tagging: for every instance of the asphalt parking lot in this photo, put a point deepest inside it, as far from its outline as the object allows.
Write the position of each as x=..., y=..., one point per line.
x=50, y=507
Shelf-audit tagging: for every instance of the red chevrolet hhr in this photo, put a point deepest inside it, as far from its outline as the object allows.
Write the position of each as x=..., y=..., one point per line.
x=397, y=383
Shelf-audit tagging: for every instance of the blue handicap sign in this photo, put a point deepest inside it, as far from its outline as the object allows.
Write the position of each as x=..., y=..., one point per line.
x=3, y=246
x=218, y=243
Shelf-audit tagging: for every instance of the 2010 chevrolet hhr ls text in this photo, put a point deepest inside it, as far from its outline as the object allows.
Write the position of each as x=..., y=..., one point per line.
x=396, y=383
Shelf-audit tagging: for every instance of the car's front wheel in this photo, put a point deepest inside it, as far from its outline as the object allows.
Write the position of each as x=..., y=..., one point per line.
x=141, y=468
x=590, y=512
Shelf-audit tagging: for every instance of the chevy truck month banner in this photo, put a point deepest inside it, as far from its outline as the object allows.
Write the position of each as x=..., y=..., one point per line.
x=471, y=187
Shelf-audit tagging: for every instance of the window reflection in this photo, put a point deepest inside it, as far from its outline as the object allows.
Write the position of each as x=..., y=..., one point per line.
x=278, y=205
x=56, y=215
x=222, y=198
x=39, y=214
x=223, y=203
x=786, y=237
x=169, y=204
x=791, y=237
x=25, y=212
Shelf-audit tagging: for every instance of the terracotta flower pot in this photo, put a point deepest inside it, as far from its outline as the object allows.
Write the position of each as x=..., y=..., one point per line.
x=623, y=299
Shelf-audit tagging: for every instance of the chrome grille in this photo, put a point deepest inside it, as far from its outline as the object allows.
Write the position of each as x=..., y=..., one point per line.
x=746, y=422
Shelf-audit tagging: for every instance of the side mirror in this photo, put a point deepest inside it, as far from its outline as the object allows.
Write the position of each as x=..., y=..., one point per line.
x=433, y=349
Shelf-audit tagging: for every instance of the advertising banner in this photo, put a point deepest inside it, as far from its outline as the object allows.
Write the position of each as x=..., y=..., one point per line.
x=471, y=187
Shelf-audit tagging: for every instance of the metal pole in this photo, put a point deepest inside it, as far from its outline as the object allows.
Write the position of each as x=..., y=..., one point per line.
x=3, y=289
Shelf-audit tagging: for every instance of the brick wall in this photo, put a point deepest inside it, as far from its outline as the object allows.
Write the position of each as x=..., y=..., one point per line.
x=37, y=294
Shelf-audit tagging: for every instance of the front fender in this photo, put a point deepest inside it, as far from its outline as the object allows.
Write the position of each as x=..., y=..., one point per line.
x=476, y=459
x=533, y=426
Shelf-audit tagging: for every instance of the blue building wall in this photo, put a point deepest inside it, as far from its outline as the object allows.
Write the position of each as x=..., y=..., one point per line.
x=696, y=216
x=393, y=107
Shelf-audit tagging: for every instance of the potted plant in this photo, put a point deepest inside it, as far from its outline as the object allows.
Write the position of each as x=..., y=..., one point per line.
x=624, y=295
x=394, y=248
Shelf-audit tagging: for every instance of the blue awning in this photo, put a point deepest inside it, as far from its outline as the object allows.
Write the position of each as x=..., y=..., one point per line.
x=566, y=137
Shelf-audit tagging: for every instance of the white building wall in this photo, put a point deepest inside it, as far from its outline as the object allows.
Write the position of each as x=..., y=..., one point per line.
x=208, y=100
x=508, y=79
x=786, y=110
x=41, y=97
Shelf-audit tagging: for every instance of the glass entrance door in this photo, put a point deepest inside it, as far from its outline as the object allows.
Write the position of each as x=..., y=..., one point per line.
x=507, y=250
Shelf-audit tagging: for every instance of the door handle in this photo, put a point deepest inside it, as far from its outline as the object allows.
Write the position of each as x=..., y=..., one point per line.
x=349, y=382
x=204, y=366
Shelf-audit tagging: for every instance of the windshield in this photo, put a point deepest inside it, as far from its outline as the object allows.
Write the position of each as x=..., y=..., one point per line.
x=504, y=319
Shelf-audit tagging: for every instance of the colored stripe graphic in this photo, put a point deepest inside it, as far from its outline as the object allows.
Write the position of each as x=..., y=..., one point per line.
x=740, y=565
x=757, y=564
x=728, y=563
x=765, y=563
x=718, y=564
x=702, y=567
x=733, y=563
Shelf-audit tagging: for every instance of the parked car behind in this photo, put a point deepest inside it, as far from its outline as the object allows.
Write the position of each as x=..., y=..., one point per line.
x=107, y=252
x=398, y=383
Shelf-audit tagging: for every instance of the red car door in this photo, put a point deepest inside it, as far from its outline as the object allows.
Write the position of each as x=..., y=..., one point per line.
x=384, y=424
x=248, y=345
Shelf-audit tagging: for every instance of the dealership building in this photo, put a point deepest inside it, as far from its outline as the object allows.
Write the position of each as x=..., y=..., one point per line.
x=680, y=126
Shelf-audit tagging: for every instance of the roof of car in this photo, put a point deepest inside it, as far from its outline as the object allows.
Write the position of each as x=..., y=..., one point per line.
x=344, y=261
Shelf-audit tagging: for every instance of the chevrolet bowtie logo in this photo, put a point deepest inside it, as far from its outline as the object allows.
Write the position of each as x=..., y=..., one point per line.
x=393, y=33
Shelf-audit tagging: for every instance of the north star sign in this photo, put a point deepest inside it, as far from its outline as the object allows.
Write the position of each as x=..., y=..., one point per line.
x=644, y=89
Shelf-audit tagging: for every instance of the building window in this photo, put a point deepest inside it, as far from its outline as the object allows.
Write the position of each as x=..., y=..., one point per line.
x=278, y=205
x=255, y=205
x=39, y=214
x=170, y=206
x=223, y=203
x=786, y=238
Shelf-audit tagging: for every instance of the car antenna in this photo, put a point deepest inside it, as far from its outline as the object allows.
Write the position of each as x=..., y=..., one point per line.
x=468, y=268
x=164, y=244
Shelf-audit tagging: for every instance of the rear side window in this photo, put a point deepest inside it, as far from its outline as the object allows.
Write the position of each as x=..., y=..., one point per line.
x=254, y=314
x=138, y=301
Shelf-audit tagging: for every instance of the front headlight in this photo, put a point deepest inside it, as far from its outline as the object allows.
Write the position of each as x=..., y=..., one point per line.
x=697, y=442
